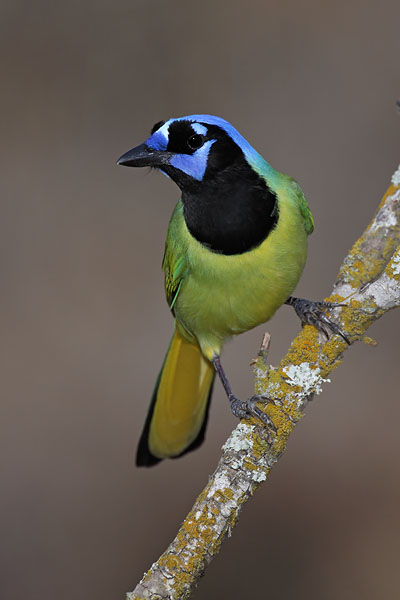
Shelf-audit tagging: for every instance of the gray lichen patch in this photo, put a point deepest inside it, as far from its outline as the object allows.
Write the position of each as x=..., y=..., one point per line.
x=396, y=177
x=240, y=438
x=305, y=377
x=396, y=263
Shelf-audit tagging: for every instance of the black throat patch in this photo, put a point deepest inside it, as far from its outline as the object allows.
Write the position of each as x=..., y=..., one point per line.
x=233, y=212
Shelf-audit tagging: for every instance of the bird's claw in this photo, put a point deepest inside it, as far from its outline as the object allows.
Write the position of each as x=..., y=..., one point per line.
x=243, y=409
x=312, y=313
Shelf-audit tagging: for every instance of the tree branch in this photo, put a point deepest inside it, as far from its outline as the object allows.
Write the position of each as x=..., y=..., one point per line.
x=369, y=284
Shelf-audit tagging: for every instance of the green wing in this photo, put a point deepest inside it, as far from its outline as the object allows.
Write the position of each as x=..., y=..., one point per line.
x=174, y=270
x=304, y=209
x=174, y=263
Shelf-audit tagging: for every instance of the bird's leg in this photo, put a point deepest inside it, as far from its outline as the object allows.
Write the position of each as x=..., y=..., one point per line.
x=243, y=409
x=312, y=313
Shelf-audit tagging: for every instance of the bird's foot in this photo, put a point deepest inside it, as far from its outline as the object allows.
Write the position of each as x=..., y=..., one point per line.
x=312, y=313
x=243, y=409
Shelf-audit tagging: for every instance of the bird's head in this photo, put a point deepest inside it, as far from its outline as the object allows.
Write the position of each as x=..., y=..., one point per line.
x=228, y=189
x=192, y=150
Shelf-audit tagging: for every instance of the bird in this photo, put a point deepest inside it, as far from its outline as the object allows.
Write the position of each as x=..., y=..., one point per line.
x=235, y=249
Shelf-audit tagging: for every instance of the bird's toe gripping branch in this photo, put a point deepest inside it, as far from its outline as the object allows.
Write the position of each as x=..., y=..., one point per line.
x=243, y=409
x=312, y=313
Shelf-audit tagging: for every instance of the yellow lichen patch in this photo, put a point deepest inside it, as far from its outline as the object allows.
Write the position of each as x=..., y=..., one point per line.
x=283, y=424
x=200, y=528
x=304, y=348
x=360, y=271
x=336, y=298
x=331, y=354
x=391, y=243
x=228, y=493
x=369, y=341
x=170, y=561
x=223, y=495
x=248, y=464
x=357, y=318
x=287, y=415
x=280, y=443
x=215, y=509
x=392, y=189
x=260, y=446
x=394, y=273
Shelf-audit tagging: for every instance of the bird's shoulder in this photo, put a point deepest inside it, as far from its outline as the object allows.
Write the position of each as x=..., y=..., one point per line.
x=296, y=194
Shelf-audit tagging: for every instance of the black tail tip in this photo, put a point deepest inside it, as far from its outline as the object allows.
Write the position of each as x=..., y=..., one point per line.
x=144, y=458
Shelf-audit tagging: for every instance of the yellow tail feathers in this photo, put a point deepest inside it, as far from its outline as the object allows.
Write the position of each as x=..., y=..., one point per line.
x=178, y=412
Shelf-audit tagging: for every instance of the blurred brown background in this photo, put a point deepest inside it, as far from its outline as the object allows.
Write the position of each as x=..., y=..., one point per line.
x=84, y=324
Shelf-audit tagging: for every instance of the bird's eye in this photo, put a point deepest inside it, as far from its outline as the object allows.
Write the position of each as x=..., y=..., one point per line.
x=195, y=141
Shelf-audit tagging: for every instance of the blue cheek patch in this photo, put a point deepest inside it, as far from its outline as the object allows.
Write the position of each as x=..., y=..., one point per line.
x=199, y=128
x=194, y=165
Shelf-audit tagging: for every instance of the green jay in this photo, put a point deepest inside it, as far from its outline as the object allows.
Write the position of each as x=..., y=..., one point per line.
x=235, y=249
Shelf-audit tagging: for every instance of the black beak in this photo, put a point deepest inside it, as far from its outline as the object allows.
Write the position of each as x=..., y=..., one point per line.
x=143, y=156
